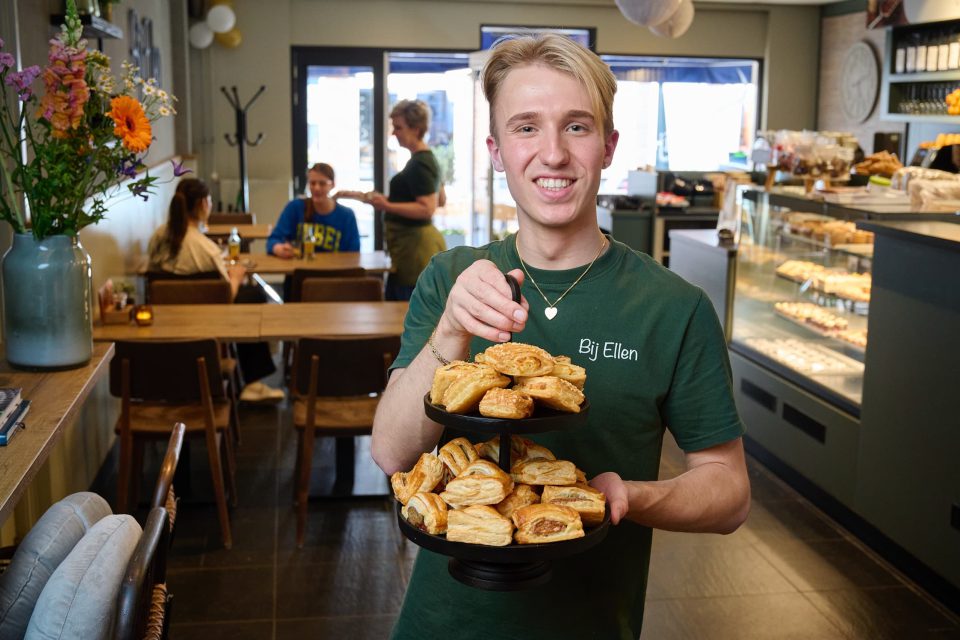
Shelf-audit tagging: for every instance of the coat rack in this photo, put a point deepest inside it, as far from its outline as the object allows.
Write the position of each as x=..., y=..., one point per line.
x=240, y=140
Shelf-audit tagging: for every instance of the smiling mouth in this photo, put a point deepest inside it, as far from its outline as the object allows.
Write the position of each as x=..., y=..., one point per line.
x=554, y=183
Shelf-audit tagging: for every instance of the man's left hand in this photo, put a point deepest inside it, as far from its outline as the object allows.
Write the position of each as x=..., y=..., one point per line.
x=613, y=486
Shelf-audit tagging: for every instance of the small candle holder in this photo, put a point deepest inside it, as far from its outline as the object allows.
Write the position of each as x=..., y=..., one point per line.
x=143, y=315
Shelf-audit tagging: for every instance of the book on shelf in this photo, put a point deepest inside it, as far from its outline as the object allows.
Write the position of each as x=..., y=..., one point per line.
x=13, y=422
x=9, y=400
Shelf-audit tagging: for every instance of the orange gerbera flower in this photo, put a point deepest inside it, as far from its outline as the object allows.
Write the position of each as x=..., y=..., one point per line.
x=130, y=123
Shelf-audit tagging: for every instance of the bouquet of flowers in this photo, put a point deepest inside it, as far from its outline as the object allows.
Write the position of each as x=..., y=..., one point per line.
x=77, y=142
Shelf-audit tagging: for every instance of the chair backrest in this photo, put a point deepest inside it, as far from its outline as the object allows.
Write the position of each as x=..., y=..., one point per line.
x=143, y=601
x=190, y=292
x=347, y=366
x=341, y=289
x=299, y=275
x=165, y=371
x=232, y=218
x=163, y=495
x=153, y=276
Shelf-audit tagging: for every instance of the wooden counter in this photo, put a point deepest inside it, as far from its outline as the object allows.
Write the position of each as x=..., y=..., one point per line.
x=56, y=398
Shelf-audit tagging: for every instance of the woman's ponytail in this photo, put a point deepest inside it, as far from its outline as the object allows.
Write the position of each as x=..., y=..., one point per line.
x=184, y=208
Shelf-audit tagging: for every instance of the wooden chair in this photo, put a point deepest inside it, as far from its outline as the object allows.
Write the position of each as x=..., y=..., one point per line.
x=144, y=602
x=337, y=385
x=341, y=289
x=164, y=382
x=163, y=494
x=299, y=275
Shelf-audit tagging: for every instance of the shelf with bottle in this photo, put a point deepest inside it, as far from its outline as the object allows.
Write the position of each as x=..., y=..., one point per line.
x=925, y=48
x=920, y=98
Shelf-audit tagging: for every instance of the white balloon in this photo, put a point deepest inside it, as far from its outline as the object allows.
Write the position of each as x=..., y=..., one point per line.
x=201, y=36
x=221, y=18
x=678, y=23
x=648, y=12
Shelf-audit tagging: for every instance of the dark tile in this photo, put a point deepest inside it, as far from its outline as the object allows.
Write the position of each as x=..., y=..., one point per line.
x=226, y=595
x=344, y=588
x=354, y=627
x=254, y=532
x=710, y=571
x=890, y=613
x=782, y=616
x=815, y=565
x=776, y=521
x=359, y=530
x=257, y=630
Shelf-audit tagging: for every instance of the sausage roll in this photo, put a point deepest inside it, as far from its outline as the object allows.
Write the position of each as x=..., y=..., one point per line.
x=587, y=501
x=423, y=477
x=427, y=512
x=534, y=451
x=482, y=482
x=491, y=448
x=479, y=525
x=517, y=359
x=544, y=472
x=463, y=395
x=457, y=454
x=506, y=403
x=540, y=523
x=521, y=496
x=446, y=375
x=553, y=392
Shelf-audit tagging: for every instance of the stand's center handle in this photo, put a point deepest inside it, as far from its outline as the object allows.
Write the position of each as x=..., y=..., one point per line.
x=514, y=287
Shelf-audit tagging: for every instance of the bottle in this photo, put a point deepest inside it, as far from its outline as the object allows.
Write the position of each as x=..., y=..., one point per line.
x=933, y=52
x=921, y=43
x=912, y=47
x=233, y=245
x=953, y=56
x=943, y=51
x=900, y=63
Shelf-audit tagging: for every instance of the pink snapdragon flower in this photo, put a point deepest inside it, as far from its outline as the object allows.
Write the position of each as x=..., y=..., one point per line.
x=66, y=90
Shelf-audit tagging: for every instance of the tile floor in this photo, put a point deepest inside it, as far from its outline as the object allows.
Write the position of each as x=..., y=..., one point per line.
x=789, y=572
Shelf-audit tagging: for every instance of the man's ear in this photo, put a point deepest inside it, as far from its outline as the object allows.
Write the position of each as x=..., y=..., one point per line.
x=494, y=150
x=609, y=146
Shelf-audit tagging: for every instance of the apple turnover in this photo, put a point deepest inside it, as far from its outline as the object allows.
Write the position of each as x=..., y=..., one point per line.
x=482, y=482
x=479, y=524
x=464, y=394
x=427, y=512
x=517, y=359
x=506, y=403
x=424, y=477
x=587, y=501
x=539, y=523
x=544, y=472
x=521, y=496
x=447, y=375
x=553, y=392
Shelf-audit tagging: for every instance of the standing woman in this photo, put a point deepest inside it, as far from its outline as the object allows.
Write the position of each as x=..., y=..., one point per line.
x=414, y=195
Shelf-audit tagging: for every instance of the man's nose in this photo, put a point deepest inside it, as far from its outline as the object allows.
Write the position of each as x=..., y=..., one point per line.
x=553, y=150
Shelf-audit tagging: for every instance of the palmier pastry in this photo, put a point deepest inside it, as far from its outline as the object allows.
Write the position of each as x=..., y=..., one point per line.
x=506, y=403
x=482, y=482
x=544, y=472
x=574, y=374
x=561, y=359
x=427, y=512
x=517, y=359
x=423, y=477
x=463, y=395
x=539, y=523
x=587, y=501
x=446, y=375
x=521, y=496
x=479, y=525
x=553, y=392
x=456, y=455
x=491, y=449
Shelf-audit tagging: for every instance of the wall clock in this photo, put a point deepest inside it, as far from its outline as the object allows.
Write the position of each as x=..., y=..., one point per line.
x=859, y=82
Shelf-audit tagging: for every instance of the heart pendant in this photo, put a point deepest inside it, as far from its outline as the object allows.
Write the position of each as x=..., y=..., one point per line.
x=550, y=312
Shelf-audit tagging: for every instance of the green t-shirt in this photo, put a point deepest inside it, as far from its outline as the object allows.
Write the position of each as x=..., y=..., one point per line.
x=419, y=177
x=655, y=358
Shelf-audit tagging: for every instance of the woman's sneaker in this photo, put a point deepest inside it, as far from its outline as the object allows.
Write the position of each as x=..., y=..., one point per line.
x=259, y=392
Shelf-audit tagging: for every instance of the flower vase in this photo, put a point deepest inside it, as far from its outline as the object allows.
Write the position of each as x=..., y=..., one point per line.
x=46, y=303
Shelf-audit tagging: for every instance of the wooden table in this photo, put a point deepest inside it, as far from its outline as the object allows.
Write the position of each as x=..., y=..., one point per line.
x=255, y=322
x=55, y=398
x=246, y=231
x=373, y=262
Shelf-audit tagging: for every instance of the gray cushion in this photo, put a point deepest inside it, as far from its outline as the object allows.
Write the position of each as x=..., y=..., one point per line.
x=41, y=552
x=80, y=598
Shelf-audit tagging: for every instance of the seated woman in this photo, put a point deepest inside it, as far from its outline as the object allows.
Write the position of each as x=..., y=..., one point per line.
x=180, y=248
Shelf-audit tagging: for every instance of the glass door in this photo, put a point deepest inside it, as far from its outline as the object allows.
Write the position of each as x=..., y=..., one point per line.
x=338, y=118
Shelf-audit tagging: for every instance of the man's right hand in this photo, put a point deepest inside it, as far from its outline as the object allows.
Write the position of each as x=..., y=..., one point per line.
x=481, y=304
x=283, y=250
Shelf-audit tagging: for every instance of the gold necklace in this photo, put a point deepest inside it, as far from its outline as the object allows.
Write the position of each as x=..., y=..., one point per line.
x=551, y=309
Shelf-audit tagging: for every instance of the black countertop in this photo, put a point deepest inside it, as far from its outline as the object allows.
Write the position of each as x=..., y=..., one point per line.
x=943, y=235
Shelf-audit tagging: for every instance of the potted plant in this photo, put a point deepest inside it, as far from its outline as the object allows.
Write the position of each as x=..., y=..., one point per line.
x=62, y=156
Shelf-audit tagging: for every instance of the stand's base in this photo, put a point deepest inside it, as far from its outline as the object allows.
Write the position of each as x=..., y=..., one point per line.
x=500, y=577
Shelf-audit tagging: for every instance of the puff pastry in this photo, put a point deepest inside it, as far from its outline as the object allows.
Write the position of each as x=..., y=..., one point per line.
x=544, y=472
x=457, y=454
x=446, y=375
x=587, y=501
x=534, y=451
x=540, y=523
x=517, y=359
x=553, y=392
x=491, y=449
x=506, y=403
x=482, y=482
x=463, y=395
x=479, y=525
x=521, y=496
x=562, y=359
x=422, y=478
x=427, y=512
x=581, y=476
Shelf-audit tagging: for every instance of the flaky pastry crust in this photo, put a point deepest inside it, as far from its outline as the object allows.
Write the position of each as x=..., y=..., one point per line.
x=427, y=512
x=517, y=359
x=506, y=403
x=481, y=482
x=479, y=524
x=544, y=472
x=539, y=523
x=587, y=501
x=422, y=478
x=554, y=392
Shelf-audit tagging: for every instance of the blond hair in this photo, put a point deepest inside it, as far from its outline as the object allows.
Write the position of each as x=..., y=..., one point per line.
x=561, y=54
x=415, y=113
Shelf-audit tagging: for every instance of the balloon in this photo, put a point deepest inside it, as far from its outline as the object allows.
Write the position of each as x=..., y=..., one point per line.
x=230, y=39
x=678, y=24
x=221, y=18
x=648, y=12
x=200, y=35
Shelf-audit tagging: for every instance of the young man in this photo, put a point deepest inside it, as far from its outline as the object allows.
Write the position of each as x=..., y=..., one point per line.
x=650, y=342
